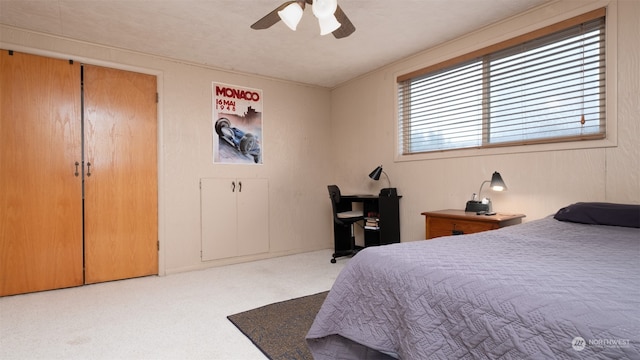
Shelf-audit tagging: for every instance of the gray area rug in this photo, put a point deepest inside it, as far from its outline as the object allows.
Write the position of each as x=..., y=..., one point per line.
x=279, y=329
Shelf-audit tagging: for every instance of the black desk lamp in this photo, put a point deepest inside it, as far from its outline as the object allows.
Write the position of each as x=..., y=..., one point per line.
x=375, y=174
x=484, y=204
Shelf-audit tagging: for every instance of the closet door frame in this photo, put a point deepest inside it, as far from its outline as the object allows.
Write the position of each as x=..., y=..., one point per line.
x=160, y=255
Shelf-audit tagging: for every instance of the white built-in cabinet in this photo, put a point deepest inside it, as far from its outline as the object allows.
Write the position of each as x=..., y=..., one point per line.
x=234, y=217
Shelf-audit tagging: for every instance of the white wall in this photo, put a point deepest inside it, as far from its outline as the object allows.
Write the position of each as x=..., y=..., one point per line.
x=539, y=182
x=314, y=137
x=296, y=135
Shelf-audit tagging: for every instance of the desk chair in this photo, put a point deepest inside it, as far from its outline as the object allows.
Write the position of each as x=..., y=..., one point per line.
x=343, y=217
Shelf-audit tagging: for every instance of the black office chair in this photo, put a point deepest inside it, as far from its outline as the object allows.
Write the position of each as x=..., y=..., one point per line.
x=343, y=217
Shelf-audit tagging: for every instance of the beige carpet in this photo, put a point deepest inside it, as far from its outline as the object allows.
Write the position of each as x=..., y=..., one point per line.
x=179, y=316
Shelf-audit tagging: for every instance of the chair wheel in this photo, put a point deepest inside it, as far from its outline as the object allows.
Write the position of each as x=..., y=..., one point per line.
x=333, y=261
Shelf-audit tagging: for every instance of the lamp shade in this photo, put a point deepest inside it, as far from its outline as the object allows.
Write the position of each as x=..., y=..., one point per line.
x=325, y=10
x=497, y=184
x=291, y=15
x=328, y=25
x=375, y=174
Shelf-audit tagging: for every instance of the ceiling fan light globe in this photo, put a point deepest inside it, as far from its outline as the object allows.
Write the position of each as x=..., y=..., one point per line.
x=324, y=8
x=328, y=25
x=291, y=15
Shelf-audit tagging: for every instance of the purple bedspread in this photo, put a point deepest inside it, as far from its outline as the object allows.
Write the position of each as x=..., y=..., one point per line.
x=541, y=290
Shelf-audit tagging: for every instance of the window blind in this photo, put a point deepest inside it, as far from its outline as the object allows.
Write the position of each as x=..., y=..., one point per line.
x=545, y=89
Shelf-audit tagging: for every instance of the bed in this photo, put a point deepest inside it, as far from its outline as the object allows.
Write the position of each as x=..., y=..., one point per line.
x=552, y=288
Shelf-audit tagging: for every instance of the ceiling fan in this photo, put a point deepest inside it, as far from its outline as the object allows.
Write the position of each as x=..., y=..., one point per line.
x=330, y=16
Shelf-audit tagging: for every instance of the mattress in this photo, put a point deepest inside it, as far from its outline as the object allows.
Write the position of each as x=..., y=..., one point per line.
x=544, y=289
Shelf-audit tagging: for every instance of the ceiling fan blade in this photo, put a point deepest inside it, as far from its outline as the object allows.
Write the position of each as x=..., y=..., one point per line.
x=271, y=18
x=346, y=27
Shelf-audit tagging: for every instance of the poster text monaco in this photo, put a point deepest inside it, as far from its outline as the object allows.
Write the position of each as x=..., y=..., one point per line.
x=237, y=93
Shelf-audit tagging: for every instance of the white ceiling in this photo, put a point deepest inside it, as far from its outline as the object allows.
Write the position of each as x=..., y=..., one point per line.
x=217, y=33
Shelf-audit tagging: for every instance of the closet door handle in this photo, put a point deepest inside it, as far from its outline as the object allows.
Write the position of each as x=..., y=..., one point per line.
x=77, y=173
x=88, y=169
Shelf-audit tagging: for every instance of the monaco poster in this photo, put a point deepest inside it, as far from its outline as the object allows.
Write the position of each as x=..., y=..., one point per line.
x=237, y=124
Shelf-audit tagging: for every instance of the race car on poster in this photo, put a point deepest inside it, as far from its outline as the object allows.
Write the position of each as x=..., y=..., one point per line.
x=245, y=143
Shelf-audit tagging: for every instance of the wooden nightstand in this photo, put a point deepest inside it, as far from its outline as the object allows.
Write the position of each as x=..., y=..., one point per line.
x=458, y=222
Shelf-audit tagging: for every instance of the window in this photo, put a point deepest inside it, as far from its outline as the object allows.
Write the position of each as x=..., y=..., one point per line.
x=546, y=86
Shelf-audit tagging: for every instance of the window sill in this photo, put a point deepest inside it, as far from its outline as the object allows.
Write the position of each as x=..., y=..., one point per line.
x=608, y=142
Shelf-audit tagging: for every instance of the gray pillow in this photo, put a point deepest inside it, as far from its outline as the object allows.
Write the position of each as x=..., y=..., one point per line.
x=599, y=213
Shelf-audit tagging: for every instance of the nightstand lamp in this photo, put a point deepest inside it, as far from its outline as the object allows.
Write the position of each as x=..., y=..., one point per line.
x=484, y=204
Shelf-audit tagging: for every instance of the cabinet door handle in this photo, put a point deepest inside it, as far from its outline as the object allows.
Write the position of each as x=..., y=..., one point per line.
x=77, y=173
x=239, y=186
x=88, y=169
x=233, y=189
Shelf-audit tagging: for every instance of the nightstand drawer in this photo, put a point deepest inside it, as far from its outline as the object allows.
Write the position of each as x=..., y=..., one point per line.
x=458, y=222
x=445, y=227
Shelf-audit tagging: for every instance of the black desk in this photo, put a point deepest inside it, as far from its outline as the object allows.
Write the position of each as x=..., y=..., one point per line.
x=381, y=227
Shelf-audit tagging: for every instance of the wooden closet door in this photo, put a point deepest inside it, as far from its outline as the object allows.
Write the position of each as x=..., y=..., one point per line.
x=40, y=195
x=121, y=211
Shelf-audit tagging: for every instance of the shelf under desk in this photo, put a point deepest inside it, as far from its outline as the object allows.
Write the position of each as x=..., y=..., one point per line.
x=384, y=210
